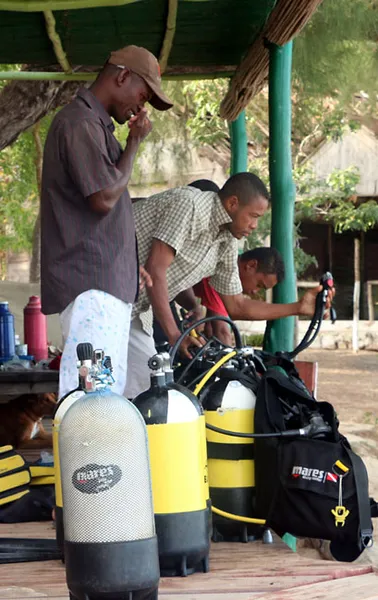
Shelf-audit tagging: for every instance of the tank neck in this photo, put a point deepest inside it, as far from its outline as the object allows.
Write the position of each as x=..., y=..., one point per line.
x=157, y=380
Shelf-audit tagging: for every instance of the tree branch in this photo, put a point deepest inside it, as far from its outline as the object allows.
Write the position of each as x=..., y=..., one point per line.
x=24, y=103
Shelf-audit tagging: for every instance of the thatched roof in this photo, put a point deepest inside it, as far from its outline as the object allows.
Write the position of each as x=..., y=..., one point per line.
x=192, y=38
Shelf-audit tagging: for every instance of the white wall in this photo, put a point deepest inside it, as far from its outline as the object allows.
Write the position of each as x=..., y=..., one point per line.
x=358, y=149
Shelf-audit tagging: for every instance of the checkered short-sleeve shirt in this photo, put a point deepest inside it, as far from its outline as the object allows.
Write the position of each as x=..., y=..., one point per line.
x=192, y=223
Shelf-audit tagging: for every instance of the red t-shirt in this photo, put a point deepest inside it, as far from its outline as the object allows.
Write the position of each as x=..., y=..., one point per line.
x=209, y=297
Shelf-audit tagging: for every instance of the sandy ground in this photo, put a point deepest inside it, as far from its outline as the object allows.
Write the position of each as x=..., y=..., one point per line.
x=350, y=382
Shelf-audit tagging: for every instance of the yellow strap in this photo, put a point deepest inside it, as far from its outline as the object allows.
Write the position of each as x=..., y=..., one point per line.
x=11, y=463
x=13, y=497
x=44, y=480
x=4, y=449
x=15, y=480
x=41, y=471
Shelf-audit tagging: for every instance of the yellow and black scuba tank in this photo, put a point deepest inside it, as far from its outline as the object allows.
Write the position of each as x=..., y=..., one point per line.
x=176, y=436
x=90, y=372
x=229, y=404
x=15, y=475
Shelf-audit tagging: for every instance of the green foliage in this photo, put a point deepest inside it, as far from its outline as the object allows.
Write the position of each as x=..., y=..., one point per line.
x=19, y=200
x=18, y=195
x=204, y=122
x=337, y=51
x=255, y=340
x=334, y=200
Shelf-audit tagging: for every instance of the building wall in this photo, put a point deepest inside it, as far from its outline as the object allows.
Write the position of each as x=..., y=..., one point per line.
x=359, y=149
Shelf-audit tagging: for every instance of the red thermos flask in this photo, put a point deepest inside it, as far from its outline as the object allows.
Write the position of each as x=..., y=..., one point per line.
x=35, y=329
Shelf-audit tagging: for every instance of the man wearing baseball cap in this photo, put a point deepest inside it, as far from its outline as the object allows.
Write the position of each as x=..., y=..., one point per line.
x=89, y=264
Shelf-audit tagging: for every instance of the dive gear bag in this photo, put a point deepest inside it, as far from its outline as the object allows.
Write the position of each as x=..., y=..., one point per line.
x=312, y=485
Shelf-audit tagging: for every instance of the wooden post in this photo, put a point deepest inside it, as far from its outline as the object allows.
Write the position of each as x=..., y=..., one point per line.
x=356, y=294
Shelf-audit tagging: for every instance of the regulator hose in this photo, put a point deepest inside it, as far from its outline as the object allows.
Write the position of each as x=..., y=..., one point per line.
x=238, y=341
x=213, y=369
x=228, y=515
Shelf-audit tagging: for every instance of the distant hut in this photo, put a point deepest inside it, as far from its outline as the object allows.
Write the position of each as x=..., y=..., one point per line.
x=336, y=251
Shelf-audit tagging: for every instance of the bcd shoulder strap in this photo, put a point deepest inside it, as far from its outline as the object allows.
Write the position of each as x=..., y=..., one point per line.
x=364, y=506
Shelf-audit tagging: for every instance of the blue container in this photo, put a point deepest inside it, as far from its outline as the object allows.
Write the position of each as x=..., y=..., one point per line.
x=7, y=337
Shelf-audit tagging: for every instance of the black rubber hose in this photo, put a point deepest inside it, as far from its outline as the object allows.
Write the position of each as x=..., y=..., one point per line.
x=238, y=341
x=22, y=556
x=287, y=433
x=27, y=543
x=64, y=397
x=194, y=359
x=16, y=550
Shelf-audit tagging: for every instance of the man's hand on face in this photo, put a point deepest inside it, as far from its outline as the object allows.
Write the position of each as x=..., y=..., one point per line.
x=140, y=125
x=307, y=303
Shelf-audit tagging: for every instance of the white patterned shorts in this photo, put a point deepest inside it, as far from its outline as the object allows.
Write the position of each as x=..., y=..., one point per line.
x=102, y=320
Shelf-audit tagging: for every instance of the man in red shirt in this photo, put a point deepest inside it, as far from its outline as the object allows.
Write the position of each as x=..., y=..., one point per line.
x=259, y=269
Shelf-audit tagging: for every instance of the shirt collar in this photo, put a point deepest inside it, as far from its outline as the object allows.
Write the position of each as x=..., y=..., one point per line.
x=219, y=215
x=94, y=104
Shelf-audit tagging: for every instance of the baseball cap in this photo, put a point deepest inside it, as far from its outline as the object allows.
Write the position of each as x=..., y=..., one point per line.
x=143, y=63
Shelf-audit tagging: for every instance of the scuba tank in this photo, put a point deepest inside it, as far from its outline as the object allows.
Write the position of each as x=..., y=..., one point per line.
x=86, y=360
x=110, y=545
x=176, y=436
x=229, y=403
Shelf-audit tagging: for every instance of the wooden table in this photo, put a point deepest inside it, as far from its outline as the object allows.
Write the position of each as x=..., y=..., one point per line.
x=28, y=381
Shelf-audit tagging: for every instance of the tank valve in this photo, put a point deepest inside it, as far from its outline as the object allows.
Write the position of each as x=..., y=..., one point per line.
x=156, y=362
x=95, y=369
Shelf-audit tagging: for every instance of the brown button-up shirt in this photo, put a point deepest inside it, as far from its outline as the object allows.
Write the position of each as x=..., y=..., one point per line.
x=80, y=249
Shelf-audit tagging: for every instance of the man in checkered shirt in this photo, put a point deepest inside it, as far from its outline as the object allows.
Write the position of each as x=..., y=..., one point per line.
x=184, y=235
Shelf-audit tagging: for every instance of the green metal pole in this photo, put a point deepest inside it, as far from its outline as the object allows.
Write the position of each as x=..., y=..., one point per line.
x=280, y=333
x=239, y=145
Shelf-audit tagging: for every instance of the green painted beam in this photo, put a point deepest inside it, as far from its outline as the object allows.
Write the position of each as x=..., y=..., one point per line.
x=280, y=333
x=239, y=145
x=59, y=76
x=42, y=5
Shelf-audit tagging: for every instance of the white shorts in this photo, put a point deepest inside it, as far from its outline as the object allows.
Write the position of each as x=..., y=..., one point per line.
x=102, y=320
x=141, y=348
